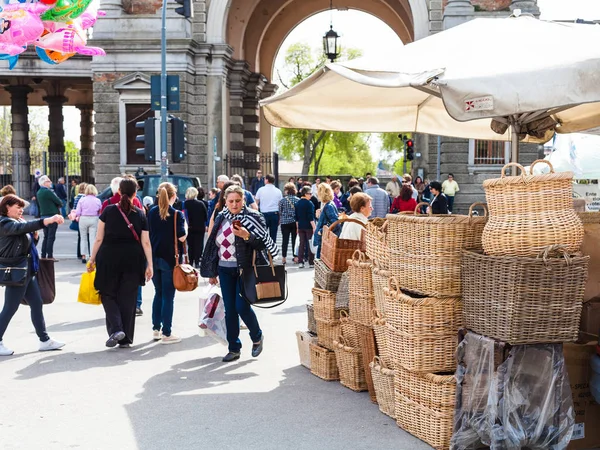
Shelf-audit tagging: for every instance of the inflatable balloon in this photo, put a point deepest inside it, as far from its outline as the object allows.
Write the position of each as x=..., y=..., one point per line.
x=12, y=59
x=19, y=26
x=91, y=14
x=65, y=10
x=52, y=57
x=48, y=2
x=67, y=38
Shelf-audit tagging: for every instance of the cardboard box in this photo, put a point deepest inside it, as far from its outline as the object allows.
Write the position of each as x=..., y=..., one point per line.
x=590, y=318
x=586, y=434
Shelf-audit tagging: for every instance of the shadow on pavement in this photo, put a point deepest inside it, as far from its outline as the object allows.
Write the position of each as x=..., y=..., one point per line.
x=63, y=361
x=75, y=326
x=292, y=310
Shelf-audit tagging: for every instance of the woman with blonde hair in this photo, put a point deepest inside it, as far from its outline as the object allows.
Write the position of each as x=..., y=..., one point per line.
x=329, y=214
x=166, y=227
x=87, y=213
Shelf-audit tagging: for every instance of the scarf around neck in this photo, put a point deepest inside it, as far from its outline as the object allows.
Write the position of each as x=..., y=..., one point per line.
x=251, y=222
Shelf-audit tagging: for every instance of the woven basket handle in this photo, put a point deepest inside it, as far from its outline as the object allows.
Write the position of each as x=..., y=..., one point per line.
x=343, y=220
x=384, y=226
x=342, y=340
x=344, y=315
x=378, y=361
x=476, y=205
x=537, y=161
x=358, y=256
x=422, y=204
x=560, y=250
x=512, y=164
x=393, y=284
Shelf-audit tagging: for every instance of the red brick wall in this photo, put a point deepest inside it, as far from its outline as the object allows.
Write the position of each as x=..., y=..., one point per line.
x=141, y=6
x=488, y=5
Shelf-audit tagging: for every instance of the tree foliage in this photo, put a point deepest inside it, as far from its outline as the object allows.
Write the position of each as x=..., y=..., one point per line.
x=320, y=151
x=392, y=150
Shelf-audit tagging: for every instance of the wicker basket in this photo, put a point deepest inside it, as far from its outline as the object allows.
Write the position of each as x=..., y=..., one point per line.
x=327, y=331
x=324, y=304
x=433, y=426
x=376, y=246
x=434, y=275
x=305, y=338
x=381, y=337
x=368, y=349
x=421, y=315
x=336, y=252
x=424, y=353
x=524, y=300
x=361, y=309
x=323, y=363
x=361, y=277
x=325, y=278
x=426, y=234
x=380, y=282
x=342, y=297
x=528, y=213
x=435, y=391
x=383, y=380
x=350, y=365
x=351, y=330
x=312, y=323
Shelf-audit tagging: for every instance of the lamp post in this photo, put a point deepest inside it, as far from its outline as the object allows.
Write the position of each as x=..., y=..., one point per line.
x=330, y=40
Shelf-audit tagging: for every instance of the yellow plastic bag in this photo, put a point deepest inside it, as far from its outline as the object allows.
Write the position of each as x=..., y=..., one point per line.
x=87, y=292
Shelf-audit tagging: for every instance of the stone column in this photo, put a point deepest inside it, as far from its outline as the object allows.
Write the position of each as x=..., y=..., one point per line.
x=526, y=6
x=56, y=134
x=457, y=12
x=87, y=168
x=21, y=177
x=266, y=133
x=238, y=80
x=253, y=153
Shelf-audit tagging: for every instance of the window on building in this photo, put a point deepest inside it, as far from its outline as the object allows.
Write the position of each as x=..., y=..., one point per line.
x=489, y=152
x=135, y=113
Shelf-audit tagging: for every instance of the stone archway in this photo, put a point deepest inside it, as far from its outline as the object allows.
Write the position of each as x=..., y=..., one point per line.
x=255, y=30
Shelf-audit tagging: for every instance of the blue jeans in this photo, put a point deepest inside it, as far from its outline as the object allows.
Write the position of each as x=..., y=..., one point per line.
x=272, y=219
x=236, y=307
x=63, y=208
x=164, y=296
x=450, y=202
x=49, y=238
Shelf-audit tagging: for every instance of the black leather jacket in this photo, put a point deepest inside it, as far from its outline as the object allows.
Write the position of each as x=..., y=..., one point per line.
x=14, y=236
x=244, y=250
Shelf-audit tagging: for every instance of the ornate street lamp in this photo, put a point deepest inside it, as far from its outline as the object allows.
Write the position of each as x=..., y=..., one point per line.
x=330, y=40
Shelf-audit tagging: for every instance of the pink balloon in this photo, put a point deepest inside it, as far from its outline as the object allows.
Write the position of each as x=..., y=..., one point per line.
x=20, y=25
x=67, y=38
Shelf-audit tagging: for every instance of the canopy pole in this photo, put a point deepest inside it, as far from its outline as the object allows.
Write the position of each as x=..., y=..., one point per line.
x=514, y=146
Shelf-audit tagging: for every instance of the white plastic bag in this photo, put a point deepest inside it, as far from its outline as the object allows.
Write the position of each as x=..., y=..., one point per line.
x=212, y=315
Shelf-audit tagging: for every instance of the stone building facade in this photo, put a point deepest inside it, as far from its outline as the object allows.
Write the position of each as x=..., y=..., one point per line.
x=224, y=56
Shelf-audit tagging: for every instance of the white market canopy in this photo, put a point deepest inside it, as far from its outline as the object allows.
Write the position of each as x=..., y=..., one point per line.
x=536, y=75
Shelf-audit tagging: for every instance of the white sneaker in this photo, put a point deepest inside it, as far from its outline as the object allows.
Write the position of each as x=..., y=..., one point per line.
x=5, y=351
x=156, y=335
x=50, y=344
x=170, y=339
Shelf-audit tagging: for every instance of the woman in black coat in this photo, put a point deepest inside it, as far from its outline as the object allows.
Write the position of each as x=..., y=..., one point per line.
x=439, y=204
x=17, y=249
x=196, y=214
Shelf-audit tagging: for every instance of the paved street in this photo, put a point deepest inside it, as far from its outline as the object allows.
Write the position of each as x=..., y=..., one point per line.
x=180, y=396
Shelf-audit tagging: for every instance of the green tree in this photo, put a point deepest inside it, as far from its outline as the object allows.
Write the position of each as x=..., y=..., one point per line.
x=317, y=148
x=392, y=149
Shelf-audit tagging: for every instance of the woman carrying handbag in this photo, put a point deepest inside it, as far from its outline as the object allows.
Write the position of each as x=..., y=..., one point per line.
x=329, y=215
x=237, y=233
x=166, y=228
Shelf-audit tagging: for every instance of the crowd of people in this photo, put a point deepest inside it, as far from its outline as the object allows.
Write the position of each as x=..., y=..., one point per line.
x=129, y=241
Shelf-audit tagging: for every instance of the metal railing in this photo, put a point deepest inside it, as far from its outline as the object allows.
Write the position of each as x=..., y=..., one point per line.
x=489, y=152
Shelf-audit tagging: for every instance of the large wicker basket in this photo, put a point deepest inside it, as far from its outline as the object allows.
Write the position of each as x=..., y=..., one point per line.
x=324, y=304
x=383, y=381
x=436, y=391
x=336, y=252
x=423, y=234
x=376, y=246
x=325, y=278
x=421, y=315
x=381, y=338
x=351, y=330
x=305, y=338
x=361, y=309
x=350, y=365
x=422, y=353
x=361, y=277
x=312, y=323
x=528, y=213
x=323, y=363
x=327, y=332
x=380, y=282
x=522, y=300
x=433, y=275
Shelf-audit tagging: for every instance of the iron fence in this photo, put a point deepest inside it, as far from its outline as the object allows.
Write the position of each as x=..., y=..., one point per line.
x=19, y=169
x=248, y=164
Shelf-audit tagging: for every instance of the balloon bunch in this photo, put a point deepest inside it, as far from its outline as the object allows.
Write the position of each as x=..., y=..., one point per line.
x=56, y=28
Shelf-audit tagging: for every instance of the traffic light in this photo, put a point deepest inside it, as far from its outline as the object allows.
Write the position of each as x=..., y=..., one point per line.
x=178, y=139
x=186, y=9
x=148, y=138
x=410, y=150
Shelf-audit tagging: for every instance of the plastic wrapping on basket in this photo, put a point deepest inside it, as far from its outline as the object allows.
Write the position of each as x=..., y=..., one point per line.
x=523, y=401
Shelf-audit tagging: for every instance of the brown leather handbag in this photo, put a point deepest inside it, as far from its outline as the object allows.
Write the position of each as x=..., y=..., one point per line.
x=185, y=277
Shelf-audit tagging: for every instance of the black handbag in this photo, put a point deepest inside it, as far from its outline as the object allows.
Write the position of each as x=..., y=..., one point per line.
x=264, y=284
x=14, y=271
x=47, y=280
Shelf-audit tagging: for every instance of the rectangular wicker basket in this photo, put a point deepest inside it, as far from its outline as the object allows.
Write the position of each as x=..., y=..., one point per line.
x=324, y=303
x=432, y=390
x=361, y=309
x=327, y=332
x=522, y=300
x=383, y=381
x=361, y=276
x=323, y=363
x=350, y=365
x=325, y=278
x=336, y=252
x=312, y=323
x=304, y=339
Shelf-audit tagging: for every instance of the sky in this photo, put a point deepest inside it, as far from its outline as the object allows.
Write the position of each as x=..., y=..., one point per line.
x=372, y=36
